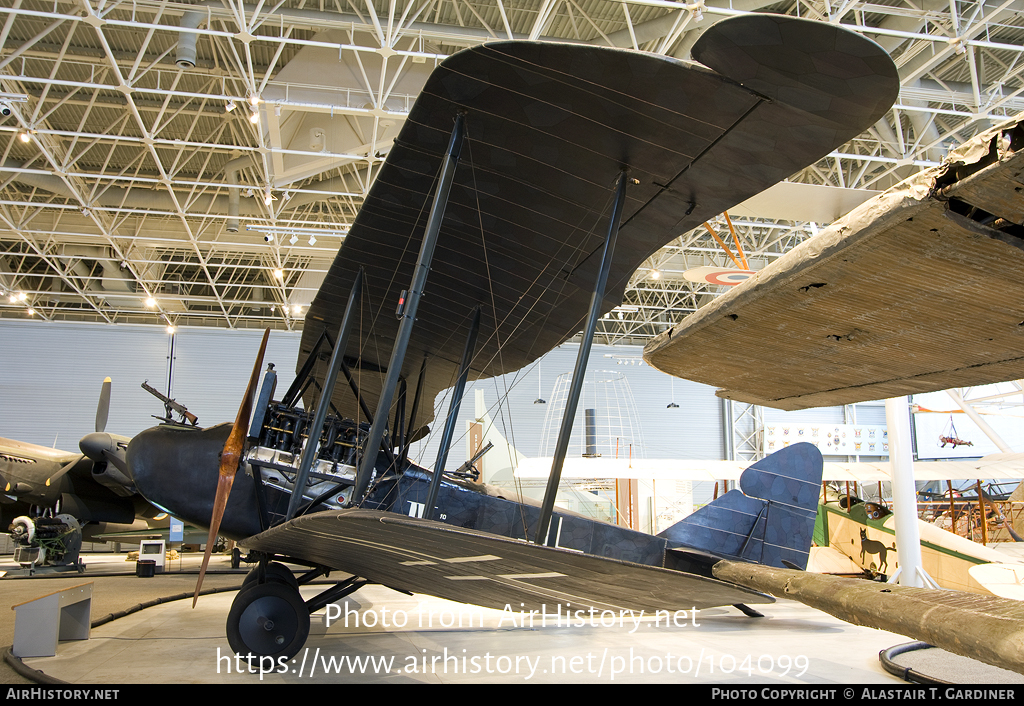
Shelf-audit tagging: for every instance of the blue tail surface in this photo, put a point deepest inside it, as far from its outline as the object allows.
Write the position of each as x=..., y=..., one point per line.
x=770, y=522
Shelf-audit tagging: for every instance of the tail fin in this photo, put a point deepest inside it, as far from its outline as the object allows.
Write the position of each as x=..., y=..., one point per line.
x=770, y=522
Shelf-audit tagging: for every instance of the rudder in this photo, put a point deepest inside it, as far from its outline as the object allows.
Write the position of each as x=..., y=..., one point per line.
x=770, y=522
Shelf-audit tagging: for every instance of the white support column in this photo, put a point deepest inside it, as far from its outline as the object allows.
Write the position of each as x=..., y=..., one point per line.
x=904, y=494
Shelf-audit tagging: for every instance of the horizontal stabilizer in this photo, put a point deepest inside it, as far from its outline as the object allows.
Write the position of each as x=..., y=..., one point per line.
x=769, y=520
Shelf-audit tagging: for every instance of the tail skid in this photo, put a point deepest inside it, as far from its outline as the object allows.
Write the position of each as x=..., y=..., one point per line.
x=770, y=522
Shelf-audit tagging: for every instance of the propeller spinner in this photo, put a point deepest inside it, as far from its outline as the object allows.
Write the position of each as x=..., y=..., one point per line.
x=230, y=458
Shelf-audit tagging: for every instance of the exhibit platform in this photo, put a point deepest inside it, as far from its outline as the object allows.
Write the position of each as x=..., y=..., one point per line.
x=391, y=637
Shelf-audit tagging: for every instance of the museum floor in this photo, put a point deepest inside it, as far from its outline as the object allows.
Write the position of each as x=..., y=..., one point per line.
x=401, y=639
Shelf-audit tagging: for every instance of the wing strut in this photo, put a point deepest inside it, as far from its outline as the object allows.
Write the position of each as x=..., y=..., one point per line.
x=313, y=433
x=453, y=412
x=419, y=280
x=596, y=301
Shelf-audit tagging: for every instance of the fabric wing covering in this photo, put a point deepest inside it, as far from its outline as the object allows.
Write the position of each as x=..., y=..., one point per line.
x=549, y=127
x=914, y=291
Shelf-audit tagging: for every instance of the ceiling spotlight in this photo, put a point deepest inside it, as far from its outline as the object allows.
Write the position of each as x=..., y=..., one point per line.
x=312, y=240
x=296, y=309
x=24, y=136
x=268, y=198
x=150, y=302
x=229, y=106
x=294, y=239
x=255, y=117
x=254, y=99
x=655, y=274
x=31, y=312
x=279, y=274
x=20, y=297
x=170, y=329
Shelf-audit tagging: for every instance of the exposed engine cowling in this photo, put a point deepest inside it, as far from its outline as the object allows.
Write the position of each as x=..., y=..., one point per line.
x=46, y=541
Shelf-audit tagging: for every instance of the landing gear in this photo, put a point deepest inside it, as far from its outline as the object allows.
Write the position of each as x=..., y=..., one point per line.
x=268, y=620
x=275, y=571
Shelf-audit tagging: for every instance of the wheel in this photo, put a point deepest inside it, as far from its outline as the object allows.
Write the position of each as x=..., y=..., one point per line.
x=268, y=620
x=275, y=572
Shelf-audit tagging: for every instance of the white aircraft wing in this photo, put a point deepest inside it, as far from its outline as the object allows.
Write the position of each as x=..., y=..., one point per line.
x=994, y=466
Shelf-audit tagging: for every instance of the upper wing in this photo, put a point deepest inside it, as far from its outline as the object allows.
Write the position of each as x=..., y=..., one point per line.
x=916, y=290
x=549, y=127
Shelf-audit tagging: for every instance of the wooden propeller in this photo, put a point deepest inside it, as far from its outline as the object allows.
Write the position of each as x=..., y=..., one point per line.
x=230, y=458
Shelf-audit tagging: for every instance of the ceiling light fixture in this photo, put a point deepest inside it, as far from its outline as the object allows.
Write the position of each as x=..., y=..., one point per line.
x=24, y=136
x=229, y=106
x=294, y=239
x=150, y=302
x=255, y=117
x=279, y=274
x=312, y=240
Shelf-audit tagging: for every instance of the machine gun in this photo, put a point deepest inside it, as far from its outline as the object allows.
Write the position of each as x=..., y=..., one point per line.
x=170, y=406
x=468, y=470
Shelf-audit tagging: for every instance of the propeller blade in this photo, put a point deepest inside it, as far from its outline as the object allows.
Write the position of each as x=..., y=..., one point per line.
x=103, y=408
x=64, y=469
x=229, y=460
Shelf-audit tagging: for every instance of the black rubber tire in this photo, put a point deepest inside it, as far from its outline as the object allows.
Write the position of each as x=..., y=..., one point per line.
x=276, y=571
x=268, y=620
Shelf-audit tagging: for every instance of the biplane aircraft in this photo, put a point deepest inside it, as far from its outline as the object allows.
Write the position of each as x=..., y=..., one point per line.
x=528, y=183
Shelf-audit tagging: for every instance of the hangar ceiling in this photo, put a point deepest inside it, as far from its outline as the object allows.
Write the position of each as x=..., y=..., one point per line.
x=199, y=163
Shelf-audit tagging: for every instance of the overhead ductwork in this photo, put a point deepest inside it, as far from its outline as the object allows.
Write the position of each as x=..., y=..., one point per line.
x=187, y=54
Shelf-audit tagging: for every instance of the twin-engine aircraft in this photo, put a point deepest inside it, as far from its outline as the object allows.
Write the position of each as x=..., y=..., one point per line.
x=528, y=183
x=39, y=484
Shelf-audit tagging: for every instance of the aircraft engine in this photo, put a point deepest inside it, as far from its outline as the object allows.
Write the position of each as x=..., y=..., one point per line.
x=42, y=541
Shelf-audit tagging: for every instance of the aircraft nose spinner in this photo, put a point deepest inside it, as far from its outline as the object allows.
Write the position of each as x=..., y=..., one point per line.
x=95, y=444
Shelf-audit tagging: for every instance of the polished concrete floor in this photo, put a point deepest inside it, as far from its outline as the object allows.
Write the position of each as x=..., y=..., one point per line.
x=396, y=638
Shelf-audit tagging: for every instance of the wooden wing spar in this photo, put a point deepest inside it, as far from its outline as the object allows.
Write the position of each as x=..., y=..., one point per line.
x=548, y=129
x=916, y=290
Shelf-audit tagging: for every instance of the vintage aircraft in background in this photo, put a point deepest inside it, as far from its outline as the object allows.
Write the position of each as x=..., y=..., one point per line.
x=864, y=531
x=40, y=484
x=528, y=183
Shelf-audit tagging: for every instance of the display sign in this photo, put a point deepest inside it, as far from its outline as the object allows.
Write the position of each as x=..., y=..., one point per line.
x=177, y=530
x=831, y=439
